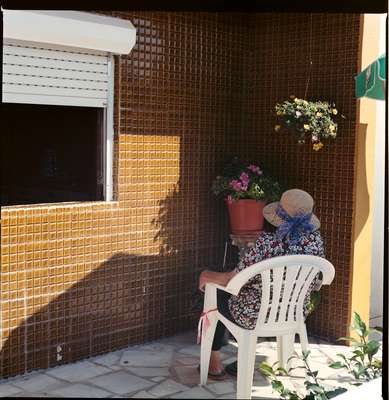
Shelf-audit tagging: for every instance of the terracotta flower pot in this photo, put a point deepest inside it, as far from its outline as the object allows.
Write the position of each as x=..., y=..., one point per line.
x=246, y=216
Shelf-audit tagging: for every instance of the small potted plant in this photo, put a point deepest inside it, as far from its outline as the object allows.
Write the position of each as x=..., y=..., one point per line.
x=246, y=189
x=308, y=119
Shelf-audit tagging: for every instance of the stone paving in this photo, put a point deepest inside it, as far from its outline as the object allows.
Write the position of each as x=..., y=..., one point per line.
x=163, y=369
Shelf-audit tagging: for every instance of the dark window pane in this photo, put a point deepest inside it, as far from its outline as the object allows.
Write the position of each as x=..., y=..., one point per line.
x=50, y=154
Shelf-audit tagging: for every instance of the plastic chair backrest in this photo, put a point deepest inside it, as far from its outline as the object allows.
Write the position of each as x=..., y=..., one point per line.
x=285, y=282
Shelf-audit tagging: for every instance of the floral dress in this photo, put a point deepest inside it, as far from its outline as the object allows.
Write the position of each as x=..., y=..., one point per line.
x=244, y=308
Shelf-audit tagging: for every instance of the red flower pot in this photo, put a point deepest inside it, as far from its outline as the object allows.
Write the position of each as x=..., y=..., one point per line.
x=246, y=216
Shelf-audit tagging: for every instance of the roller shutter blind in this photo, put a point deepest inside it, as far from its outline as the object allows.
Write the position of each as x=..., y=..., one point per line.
x=41, y=74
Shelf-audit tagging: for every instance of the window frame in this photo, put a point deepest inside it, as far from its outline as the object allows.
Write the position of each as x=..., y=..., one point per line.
x=107, y=145
x=109, y=132
x=86, y=31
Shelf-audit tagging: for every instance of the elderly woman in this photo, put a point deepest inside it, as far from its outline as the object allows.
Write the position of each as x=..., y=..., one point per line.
x=297, y=233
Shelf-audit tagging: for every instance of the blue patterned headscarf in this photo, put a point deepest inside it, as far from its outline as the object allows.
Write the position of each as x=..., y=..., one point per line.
x=293, y=227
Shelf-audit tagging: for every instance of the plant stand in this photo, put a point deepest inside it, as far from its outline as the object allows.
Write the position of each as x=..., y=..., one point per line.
x=243, y=242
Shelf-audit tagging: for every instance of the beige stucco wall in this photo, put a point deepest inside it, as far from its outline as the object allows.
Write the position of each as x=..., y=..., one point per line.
x=377, y=270
x=364, y=175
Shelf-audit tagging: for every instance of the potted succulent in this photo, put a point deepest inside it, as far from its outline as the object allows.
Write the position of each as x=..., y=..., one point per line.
x=246, y=189
x=308, y=119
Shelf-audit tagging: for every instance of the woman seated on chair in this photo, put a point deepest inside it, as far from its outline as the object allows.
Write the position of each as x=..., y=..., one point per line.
x=297, y=233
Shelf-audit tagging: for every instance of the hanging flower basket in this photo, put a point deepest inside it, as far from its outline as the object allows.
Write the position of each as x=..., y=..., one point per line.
x=313, y=120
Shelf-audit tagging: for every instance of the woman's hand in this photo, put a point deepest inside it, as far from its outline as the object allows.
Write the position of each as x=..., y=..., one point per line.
x=204, y=279
x=220, y=278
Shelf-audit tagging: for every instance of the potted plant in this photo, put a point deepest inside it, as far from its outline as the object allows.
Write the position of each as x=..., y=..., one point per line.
x=363, y=366
x=308, y=119
x=246, y=189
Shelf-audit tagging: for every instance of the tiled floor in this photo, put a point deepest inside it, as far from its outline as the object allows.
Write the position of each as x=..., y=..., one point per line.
x=162, y=369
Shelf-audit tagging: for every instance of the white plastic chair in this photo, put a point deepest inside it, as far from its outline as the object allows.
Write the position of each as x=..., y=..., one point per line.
x=280, y=314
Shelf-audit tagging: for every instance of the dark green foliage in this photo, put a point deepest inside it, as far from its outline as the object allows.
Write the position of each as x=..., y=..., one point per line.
x=314, y=301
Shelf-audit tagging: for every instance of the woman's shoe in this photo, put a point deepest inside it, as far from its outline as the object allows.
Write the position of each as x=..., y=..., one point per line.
x=232, y=369
x=219, y=376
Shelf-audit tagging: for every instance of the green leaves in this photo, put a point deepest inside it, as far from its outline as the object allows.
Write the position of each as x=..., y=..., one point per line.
x=362, y=366
x=359, y=326
x=342, y=356
x=372, y=347
x=377, y=329
x=358, y=370
x=266, y=369
x=272, y=372
x=336, y=392
x=349, y=339
x=314, y=388
x=313, y=302
x=269, y=370
x=337, y=365
x=281, y=371
x=293, y=357
x=277, y=386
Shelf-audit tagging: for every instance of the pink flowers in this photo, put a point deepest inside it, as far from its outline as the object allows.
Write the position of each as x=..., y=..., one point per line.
x=245, y=179
x=236, y=185
x=242, y=184
x=255, y=169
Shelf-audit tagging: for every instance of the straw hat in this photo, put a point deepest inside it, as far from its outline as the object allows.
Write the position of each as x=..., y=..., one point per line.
x=293, y=201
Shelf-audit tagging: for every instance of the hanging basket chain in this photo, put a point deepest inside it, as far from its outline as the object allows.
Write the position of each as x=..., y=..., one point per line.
x=309, y=77
x=310, y=58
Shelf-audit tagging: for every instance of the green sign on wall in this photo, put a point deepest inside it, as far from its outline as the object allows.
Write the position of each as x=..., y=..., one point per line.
x=371, y=82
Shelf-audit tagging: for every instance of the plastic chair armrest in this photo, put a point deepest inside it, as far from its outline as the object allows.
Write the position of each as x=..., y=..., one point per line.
x=224, y=288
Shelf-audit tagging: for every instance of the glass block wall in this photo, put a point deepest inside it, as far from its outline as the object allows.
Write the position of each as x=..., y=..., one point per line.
x=93, y=277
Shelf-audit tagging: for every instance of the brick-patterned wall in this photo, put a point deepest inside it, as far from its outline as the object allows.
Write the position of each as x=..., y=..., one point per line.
x=93, y=277
x=279, y=67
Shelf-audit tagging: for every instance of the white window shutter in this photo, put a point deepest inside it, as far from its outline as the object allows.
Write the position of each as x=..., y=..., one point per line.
x=41, y=74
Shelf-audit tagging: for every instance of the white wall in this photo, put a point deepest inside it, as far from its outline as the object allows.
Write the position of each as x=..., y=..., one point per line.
x=376, y=296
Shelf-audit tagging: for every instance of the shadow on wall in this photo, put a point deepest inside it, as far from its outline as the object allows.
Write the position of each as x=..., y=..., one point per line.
x=202, y=236
x=127, y=299
x=362, y=191
x=202, y=230
x=116, y=304
x=169, y=230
